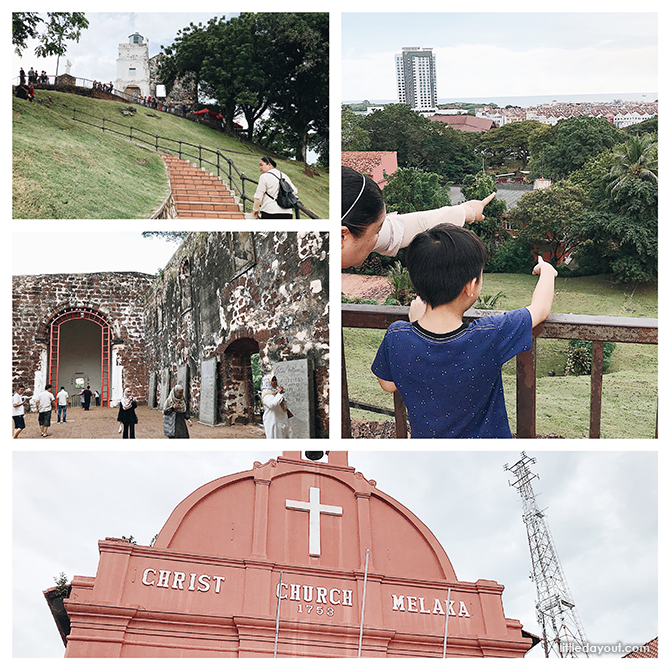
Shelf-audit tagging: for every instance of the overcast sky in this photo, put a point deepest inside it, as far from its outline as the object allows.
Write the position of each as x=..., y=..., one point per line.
x=94, y=56
x=117, y=251
x=601, y=508
x=488, y=54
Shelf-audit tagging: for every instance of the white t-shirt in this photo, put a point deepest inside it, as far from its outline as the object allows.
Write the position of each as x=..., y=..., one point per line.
x=20, y=410
x=62, y=396
x=44, y=401
x=268, y=185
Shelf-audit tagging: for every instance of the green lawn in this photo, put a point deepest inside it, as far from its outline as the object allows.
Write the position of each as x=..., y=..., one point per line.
x=629, y=387
x=64, y=169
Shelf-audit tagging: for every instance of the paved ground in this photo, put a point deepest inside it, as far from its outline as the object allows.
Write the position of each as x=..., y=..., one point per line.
x=100, y=422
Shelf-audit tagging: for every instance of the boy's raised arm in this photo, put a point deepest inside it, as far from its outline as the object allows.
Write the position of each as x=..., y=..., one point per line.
x=543, y=296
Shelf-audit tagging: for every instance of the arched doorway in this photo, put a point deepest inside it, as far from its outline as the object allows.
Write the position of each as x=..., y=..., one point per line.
x=80, y=349
x=237, y=380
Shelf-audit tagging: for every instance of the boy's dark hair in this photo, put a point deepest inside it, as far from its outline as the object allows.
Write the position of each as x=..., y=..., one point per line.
x=442, y=260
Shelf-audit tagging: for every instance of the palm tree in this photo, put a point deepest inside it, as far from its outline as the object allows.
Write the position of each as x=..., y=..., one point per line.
x=636, y=159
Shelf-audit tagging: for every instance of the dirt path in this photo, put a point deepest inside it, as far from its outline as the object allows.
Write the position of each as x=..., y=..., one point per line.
x=365, y=286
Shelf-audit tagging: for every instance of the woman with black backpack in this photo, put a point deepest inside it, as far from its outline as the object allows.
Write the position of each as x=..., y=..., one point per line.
x=276, y=195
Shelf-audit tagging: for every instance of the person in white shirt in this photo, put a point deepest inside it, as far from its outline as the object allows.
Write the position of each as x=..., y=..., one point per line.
x=46, y=401
x=275, y=411
x=265, y=198
x=18, y=411
x=63, y=401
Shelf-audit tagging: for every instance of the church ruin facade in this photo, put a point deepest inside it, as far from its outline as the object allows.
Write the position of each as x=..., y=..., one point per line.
x=226, y=307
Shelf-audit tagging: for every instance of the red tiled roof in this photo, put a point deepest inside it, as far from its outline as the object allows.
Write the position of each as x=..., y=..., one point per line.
x=363, y=161
x=465, y=122
x=650, y=651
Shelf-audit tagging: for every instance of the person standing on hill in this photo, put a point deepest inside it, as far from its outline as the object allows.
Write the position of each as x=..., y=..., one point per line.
x=266, y=205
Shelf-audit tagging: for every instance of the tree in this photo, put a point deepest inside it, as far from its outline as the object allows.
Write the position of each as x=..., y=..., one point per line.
x=546, y=219
x=636, y=160
x=267, y=64
x=400, y=129
x=412, y=190
x=622, y=229
x=419, y=143
x=448, y=152
x=184, y=57
x=298, y=65
x=492, y=229
x=510, y=142
x=571, y=143
x=59, y=27
x=354, y=137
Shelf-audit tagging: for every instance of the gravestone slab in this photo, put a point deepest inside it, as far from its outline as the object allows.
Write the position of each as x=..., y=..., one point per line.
x=298, y=381
x=151, y=396
x=165, y=386
x=208, y=391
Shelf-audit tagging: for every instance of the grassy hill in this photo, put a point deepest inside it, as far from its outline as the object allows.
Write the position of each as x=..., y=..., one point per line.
x=65, y=169
x=630, y=386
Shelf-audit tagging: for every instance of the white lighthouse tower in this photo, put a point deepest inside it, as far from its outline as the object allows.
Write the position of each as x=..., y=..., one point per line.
x=132, y=66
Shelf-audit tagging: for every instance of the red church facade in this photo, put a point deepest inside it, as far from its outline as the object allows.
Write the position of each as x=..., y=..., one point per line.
x=293, y=558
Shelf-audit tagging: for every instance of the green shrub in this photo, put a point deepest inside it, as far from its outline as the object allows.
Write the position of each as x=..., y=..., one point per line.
x=580, y=357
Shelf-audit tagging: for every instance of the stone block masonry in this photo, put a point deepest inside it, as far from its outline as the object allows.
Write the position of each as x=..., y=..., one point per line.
x=116, y=297
x=232, y=295
x=222, y=299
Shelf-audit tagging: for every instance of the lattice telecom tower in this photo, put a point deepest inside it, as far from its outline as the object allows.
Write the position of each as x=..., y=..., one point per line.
x=556, y=612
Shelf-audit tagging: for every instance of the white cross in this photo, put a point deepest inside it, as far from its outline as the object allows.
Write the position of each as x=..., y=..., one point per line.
x=315, y=509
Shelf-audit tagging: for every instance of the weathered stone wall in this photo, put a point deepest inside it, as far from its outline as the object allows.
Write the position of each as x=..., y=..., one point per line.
x=183, y=91
x=231, y=295
x=118, y=297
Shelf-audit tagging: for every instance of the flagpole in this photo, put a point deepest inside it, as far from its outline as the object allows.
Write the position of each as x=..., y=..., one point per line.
x=365, y=584
x=446, y=625
x=281, y=574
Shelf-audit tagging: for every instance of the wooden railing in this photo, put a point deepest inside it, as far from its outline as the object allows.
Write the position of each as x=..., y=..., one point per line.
x=597, y=329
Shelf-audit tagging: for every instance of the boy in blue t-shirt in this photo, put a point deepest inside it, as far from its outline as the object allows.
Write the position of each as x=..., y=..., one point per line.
x=449, y=374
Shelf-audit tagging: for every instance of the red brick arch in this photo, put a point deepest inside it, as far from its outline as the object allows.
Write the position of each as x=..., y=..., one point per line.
x=87, y=314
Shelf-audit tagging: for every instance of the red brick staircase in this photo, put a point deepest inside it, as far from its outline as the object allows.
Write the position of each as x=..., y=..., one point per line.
x=198, y=194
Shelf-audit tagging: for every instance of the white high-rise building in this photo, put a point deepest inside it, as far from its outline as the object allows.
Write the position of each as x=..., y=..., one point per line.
x=416, y=78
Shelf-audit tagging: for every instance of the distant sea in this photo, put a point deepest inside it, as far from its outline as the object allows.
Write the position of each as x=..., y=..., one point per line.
x=534, y=100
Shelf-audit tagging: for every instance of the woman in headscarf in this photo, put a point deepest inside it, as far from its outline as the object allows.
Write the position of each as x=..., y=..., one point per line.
x=176, y=404
x=127, y=416
x=275, y=412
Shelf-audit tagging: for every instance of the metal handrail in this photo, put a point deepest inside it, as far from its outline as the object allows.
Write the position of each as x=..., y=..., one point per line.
x=596, y=329
x=177, y=147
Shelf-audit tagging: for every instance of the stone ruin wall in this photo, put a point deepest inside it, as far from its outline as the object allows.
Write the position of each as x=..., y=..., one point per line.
x=183, y=91
x=231, y=294
x=117, y=296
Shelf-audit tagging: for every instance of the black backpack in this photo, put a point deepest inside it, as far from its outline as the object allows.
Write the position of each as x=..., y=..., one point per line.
x=286, y=198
